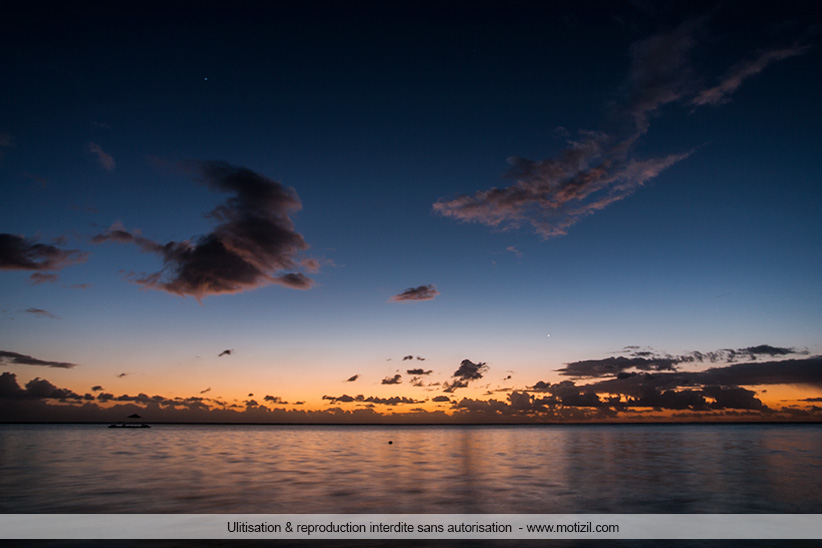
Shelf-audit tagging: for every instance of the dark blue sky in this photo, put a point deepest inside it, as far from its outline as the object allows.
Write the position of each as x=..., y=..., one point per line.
x=272, y=178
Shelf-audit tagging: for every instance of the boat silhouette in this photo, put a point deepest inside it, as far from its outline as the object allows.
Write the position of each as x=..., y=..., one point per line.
x=130, y=422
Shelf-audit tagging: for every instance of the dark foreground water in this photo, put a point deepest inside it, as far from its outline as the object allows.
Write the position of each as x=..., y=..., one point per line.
x=427, y=469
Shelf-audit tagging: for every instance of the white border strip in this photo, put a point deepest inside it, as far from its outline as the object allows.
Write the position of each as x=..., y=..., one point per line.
x=411, y=526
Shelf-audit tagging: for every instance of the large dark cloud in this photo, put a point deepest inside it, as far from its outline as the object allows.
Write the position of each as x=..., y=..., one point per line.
x=715, y=388
x=10, y=358
x=421, y=293
x=254, y=243
x=599, y=168
x=36, y=388
x=648, y=360
x=20, y=253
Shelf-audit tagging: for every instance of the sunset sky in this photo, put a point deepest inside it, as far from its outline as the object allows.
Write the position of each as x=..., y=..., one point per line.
x=402, y=211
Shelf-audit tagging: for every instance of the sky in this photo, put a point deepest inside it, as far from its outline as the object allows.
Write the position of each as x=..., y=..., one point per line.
x=411, y=212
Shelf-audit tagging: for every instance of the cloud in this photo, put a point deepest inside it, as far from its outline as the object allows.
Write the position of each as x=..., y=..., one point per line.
x=275, y=400
x=352, y=378
x=121, y=375
x=226, y=352
x=467, y=371
x=515, y=251
x=41, y=313
x=648, y=360
x=13, y=358
x=440, y=399
x=106, y=160
x=419, y=371
x=599, y=168
x=206, y=390
x=421, y=293
x=96, y=388
x=20, y=253
x=395, y=400
x=396, y=379
x=407, y=358
x=38, y=278
x=733, y=79
x=252, y=244
x=614, y=365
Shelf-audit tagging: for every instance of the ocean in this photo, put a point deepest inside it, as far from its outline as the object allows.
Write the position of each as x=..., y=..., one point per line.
x=261, y=469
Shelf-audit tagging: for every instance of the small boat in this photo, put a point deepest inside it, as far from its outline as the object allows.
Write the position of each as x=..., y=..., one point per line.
x=130, y=422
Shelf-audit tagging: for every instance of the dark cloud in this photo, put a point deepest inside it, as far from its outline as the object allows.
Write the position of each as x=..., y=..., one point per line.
x=612, y=366
x=469, y=371
x=451, y=386
x=13, y=358
x=395, y=400
x=41, y=388
x=9, y=387
x=275, y=400
x=352, y=378
x=345, y=398
x=419, y=371
x=648, y=360
x=421, y=293
x=41, y=313
x=396, y=379
x=206, y=390
x=225, y=353
x=440, y=399
x=404, y=358
x=252, y=244
x=96, y=388
x=121, y=375
x=19, y=253
x=599, y=168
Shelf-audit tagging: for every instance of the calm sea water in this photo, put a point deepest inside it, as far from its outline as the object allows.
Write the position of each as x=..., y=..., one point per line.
x=427, y=469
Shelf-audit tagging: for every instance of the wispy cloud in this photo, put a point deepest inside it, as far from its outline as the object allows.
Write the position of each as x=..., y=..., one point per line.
x=252, y=246
x=105, y=159
x=421, y=293
x=721, y=92
x=41, y=313
x=13, y=358
x=38, y=278
x=352, y=378
x=600, y=168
